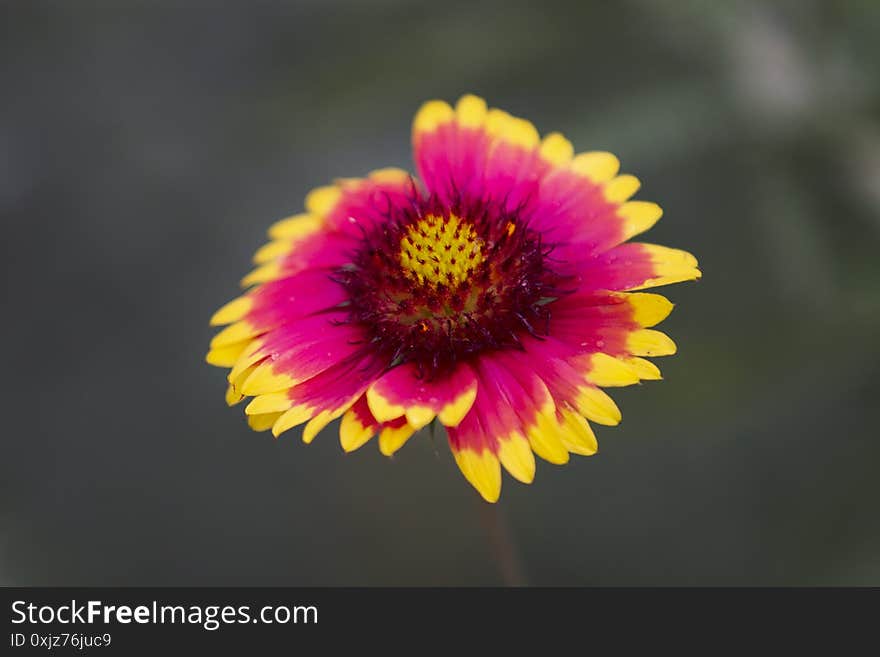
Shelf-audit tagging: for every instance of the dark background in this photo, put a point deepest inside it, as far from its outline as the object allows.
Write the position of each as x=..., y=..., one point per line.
x=146, y=146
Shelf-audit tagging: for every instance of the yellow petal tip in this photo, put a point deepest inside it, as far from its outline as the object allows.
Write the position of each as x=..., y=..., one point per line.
x=392, y=439
x=382, y=409
x=453, y=413
x=597, y=166
x=432, y=114
x=470, y=111
x=483, y=472
x=232, y=311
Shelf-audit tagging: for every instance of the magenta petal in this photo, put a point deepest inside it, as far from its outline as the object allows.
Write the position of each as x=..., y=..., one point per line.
x=572, y=213
x=624, y=267
x=289, y=298
x=367, y=203
x=339, y=385
x=405, y=390
x=466, y=166
x=323, y=250
x=310, y=346
x=586, y=323
x=451, y=161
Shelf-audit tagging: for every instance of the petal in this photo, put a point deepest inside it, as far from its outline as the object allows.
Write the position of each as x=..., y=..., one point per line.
x=571, y=208
x=233, y=396
x=226, y=356
x=263, y=378
x=263, y=274
x=235, y=333
x=545, y=437
x=336, y=214
x=517, y=457
x=596, y=406
x=264, y=421
x=498, y=392
x=637, y=217
x=323, y=397
x=556, y=149
x=647, y=342
x=302, y=350
x=364, y=203
x=322, y=249
x=285, y=300
x=482, y=470
x=604, y=370
x=435, y=113
x=232, y=311
x=394, y=435
x=358, y=425
x=570, y=386
x=475, y=453
x=644, y=368
x=274, y=250
x=322, y=419
x=286, y=321
x=249, y=358
x=403, y=392
x=321, y=200
x=515, y=401
x=597, y=166
x=512, y=403
x=273, y=402
x=635, y=266
x=576, y=433
x=584, y=217
x=295, y=227
x=621, y=188
x=473, y=153
x=589, y=322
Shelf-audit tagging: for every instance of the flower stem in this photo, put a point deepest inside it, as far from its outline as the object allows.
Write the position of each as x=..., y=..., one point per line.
x=501, y=545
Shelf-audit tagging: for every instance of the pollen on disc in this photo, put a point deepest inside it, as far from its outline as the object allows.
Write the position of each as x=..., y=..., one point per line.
x=440, y=250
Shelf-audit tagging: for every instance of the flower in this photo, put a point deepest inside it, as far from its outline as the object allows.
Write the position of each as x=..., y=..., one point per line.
x=494, y=294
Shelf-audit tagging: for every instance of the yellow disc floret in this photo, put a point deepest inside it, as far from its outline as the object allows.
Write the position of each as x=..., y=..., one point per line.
x=440, y=250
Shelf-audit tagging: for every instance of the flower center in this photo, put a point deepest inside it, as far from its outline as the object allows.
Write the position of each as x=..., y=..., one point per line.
x=435, y=285
x=440, y=251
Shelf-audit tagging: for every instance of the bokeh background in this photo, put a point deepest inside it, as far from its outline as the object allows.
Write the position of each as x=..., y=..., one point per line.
x=146, y=146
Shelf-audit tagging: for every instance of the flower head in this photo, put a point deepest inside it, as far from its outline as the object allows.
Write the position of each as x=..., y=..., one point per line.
x=495, y=294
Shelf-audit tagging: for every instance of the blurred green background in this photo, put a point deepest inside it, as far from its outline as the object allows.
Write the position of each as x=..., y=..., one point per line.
x=146, y=146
